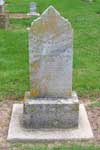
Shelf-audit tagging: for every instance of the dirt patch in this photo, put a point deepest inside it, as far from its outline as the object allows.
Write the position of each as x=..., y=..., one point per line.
x=5, y=111
x=5, y=114
x=94, y=118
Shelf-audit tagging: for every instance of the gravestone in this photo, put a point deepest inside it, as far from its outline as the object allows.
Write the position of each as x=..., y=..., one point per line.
x=51, y=102
x=50, y=108
x=4, y=17
x=51, y=55
x=33, y=7
x=1, y=6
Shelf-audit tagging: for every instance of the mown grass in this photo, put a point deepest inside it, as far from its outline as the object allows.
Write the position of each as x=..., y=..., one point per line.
x=95, y=104
x=14, y=74
x=61, y=147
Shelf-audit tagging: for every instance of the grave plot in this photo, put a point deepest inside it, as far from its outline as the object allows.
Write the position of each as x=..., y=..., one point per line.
x=50, y=108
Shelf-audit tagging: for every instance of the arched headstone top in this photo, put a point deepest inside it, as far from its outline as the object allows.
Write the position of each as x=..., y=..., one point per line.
x=50, y=29
x=50, y=17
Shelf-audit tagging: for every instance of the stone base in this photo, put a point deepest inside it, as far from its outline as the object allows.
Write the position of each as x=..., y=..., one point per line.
x=17, y=133
x=4, y=20
x=51, y=113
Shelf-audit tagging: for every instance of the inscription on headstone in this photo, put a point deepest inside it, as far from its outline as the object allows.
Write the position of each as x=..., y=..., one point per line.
x=51, y=52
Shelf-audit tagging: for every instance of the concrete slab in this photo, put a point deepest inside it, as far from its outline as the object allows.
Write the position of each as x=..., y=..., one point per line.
x=17, y=133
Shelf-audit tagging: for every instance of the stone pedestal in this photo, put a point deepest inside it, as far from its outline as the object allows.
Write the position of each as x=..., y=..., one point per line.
x=17, y=133
x=4, y=20
x=51, y=113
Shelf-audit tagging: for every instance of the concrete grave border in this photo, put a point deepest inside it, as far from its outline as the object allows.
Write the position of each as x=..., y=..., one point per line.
x=17, y=133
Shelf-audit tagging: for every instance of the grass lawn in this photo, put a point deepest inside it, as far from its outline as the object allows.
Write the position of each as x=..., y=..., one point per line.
x=61, y=147
x=14, y=74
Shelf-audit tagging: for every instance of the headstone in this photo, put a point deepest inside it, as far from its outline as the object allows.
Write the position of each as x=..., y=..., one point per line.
x=51, y=56
x=2, y=6
x=32, y=7
x=51, y=102
x=4, y=17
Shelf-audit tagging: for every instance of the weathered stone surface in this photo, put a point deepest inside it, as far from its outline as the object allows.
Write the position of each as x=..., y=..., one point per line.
x=51, y=113
x=50, y=55
x=18, y=134
x=50, y=102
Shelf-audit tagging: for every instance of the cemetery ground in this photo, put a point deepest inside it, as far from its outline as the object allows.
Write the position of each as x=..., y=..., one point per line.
x=14, y=74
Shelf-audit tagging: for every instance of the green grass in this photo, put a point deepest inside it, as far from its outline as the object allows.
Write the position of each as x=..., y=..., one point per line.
x=14, y=74
x=61, y=147
x=13, y=63
x=95, y=104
